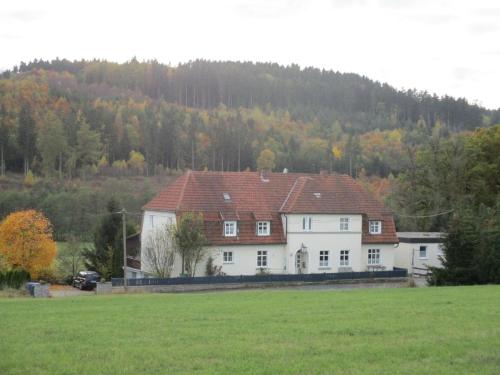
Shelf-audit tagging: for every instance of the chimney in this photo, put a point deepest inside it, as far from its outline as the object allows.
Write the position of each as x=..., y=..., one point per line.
x=264, y=175
x=323, y=173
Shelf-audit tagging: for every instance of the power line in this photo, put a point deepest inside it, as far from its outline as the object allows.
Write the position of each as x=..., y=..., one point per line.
x=424, y=216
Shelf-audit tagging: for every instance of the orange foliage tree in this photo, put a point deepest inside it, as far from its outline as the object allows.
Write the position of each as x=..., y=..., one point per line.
x=26, y=241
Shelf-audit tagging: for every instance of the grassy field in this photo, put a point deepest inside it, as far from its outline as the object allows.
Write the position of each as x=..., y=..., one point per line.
x=372, y=331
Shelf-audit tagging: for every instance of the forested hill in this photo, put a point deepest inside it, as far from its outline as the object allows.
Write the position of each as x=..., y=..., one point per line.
x=308, y=94
x=71, y=127
x=86, y=117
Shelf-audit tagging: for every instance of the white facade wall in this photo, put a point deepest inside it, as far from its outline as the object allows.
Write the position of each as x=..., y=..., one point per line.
x=152, y=220
x=407, y=255
x=387, y=252
x=325, y=234
x=244, y=260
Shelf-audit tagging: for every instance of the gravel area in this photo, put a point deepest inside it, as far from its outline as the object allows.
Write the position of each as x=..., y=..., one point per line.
x=68, y=291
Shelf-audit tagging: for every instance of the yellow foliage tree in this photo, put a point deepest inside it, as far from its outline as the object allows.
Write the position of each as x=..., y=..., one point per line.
x=266, y=160
x=337, y=152
x=29, y=180
x=136, y=161
x=26, y=241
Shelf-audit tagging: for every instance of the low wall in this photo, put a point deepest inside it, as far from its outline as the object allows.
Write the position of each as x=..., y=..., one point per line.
x=262, y=279
x=38, y=290
x=235, y=286
x=104, y=288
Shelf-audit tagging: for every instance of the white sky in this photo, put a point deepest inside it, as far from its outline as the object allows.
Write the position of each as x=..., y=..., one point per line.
x=442, y=46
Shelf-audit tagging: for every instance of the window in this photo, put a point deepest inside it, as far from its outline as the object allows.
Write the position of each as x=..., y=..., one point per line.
x=307, y=223
x=422, y=253
x=226, y=196
x=344, y=258
x=227, y=256
x=375, y=227
x=262, y=258
x=230, y=228
x=263, y=228
x=373, y=256
x=151, y=221
x=344, y=224
x=323, y=258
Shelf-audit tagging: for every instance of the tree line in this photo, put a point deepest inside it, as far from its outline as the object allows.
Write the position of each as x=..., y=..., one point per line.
x=70, y=119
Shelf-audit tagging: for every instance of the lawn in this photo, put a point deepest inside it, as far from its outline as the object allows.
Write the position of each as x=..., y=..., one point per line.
x=371, y=331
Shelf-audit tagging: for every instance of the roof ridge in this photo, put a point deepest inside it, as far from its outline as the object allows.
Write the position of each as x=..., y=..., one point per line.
x=183, y=190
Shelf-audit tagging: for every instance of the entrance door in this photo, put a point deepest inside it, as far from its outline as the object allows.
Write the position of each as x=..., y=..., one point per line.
x=301, y=258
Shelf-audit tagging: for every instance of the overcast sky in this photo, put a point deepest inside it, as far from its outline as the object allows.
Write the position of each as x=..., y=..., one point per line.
x=442, y=46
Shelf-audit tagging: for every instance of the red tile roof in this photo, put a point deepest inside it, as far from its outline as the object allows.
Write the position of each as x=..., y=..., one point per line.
x=253, y=198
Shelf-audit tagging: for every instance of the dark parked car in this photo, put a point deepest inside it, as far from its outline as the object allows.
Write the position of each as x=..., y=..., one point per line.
x=86, y=280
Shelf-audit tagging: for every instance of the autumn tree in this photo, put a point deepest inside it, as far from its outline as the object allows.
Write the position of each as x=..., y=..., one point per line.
x=266, y=160
x=136, y=162
x=26, y=241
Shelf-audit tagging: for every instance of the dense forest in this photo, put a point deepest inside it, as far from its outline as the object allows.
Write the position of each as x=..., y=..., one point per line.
x=68, y=121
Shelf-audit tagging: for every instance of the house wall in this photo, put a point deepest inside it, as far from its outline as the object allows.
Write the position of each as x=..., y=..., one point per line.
x=152, y=220
x=407, y=255
x=387, y=252
x=244, y=260
x=324, y=235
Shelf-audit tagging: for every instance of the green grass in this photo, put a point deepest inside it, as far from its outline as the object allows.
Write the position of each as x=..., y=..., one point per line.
x=372, y=331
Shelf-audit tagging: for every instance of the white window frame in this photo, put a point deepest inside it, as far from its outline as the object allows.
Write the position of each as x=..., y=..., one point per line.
x=344, y=258
x=344, y=224
x=262, y=259
x=324, y=258
x=230, y=228
x=374, y=257
x=420, y=252
x=227, y=257
x=375, y=226
x=307, y=223
x=263, y=228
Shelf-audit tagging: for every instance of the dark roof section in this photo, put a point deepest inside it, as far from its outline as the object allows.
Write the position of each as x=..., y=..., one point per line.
x=256, y=198
x=421, y=237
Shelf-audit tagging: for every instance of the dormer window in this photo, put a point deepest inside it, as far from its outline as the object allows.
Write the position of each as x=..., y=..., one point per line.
x=263, y=228
x=230, y=228
x=227, y=197
x=375, y=227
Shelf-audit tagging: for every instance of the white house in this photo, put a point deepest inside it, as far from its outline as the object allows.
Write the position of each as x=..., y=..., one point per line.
x=419, y=250
x=279, y=222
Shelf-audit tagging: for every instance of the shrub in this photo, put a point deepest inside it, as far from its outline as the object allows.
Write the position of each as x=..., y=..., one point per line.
x=14, y=279
x=211, y=268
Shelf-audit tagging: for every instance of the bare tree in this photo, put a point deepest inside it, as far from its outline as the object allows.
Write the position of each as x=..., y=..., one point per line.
x=160, y=251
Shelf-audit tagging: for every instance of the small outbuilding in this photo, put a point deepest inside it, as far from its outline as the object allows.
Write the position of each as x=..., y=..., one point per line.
x=419, y=250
